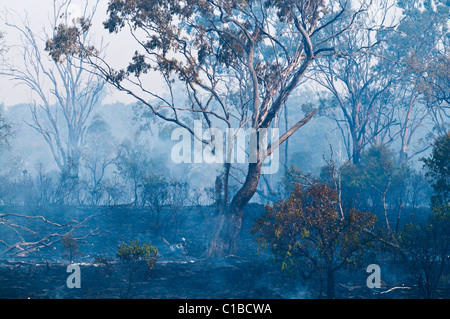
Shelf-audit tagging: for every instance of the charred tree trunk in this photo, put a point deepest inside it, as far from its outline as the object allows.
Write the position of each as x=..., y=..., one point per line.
x=228, y=225
x=221, y=189
x=226, y=178
x=218, y=188
x=357, y=148
x=229, y=222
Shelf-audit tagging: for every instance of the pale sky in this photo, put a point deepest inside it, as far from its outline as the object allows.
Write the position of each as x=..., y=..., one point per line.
x=39, y=12
x=120, y=47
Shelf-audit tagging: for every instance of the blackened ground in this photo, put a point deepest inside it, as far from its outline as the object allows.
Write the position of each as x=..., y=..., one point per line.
x=235, y=278
x=178, y=273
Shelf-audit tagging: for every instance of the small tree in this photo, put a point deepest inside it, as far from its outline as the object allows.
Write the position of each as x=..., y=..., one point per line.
x=418, y=190
x=44, y=185
x=427, y=251
x=5, y=127
x=132, y=163
x=179, y=199
x=155, y=193
x=70, y=246
x=427, y=247
x=438, y=171
x=98, y=155
x=376, y=183
x=136, y=261
x=307, y=235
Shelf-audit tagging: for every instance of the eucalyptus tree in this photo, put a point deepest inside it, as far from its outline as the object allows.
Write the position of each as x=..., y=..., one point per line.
x=238, y=62
x=426, y=26
x=63, y=93
x=98, y=155
x=420, y=45
x=358, y=83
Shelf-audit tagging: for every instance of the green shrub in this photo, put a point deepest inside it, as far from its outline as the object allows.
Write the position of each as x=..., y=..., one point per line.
x=136, y=252
x=136, y=263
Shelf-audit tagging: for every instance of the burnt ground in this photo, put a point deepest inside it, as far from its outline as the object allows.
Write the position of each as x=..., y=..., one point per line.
x=236, y=278
x=177, y=273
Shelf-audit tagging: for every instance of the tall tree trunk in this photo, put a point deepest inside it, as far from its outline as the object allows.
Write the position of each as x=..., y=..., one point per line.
x=357, y=149
x=226, y=178
x=286, y=149
x=228, y=225
x=404, y=135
